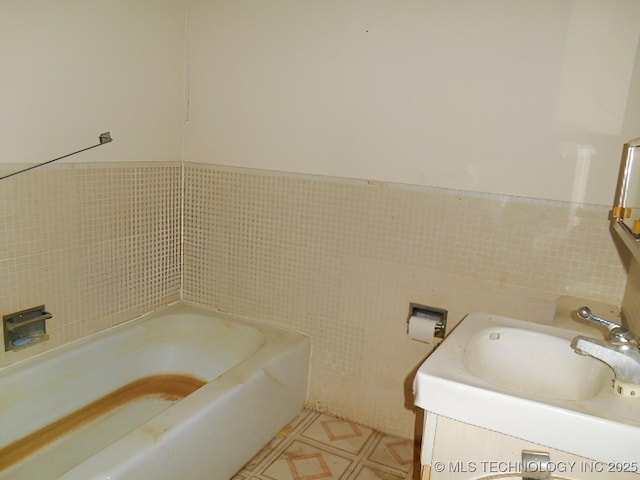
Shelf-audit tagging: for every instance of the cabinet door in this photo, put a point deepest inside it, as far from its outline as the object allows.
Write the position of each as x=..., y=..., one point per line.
x=464, y=452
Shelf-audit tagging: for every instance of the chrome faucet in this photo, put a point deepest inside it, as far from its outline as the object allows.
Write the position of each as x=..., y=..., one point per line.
x=620, y=352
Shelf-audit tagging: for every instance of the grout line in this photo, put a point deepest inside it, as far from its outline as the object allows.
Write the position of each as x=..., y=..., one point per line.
x=182, y=222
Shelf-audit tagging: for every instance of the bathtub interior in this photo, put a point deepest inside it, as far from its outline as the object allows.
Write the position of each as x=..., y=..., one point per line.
x=42, y=458
x=183, y=340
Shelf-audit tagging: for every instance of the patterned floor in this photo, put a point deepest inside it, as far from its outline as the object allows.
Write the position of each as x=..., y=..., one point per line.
x=317, y=447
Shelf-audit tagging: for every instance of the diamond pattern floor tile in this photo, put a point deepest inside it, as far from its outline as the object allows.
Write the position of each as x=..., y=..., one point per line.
x=316, y=446
x=394, y=452
x=301, y=461
x=338, y=433
x=365, y=472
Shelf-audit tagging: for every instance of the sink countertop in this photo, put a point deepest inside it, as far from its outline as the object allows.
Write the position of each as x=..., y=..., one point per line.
x=566, y=316
x=446, y=386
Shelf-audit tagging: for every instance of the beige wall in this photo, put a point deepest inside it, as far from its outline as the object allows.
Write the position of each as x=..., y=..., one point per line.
x=528, y=98
x=434, y=93
x=338, y=260
x=73, y=69
x=523, y=97
x=342, y=260
x=96, y=243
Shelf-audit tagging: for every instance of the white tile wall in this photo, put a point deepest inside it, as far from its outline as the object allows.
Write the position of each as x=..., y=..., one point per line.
x=338, y=259
x=97, y=244
x=341, y=260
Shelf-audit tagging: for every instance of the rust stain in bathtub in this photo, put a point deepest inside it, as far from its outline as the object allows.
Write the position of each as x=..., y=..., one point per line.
x=154, y=434
x=171, y=387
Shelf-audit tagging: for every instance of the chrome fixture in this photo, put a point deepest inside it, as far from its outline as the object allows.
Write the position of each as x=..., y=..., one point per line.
x=536, y=465
x=25, y=328
x=618, y=335
x=102, y=139
x=105, y=138
x=620, y=352
x=439, y=315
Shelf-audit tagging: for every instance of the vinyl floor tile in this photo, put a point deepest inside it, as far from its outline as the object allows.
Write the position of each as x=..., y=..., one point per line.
x=316, y=446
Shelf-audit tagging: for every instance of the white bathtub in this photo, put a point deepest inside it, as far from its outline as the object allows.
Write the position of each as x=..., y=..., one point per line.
x=113, y=405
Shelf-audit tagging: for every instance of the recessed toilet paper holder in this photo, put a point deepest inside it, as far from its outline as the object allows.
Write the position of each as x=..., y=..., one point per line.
x=432, y=313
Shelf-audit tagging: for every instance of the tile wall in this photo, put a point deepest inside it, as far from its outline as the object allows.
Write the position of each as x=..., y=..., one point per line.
x=342, y=259
x=337, y=259
x=97, y=244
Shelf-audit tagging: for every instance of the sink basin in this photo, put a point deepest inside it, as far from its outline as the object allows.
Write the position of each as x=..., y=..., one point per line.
x=524, y=379
x=533, y=365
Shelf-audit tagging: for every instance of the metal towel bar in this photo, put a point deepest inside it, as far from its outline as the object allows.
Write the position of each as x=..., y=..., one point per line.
x=103, y=138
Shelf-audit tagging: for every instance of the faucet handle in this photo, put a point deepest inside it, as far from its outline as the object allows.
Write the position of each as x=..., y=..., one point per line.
x=585, y=313
x=618, y=335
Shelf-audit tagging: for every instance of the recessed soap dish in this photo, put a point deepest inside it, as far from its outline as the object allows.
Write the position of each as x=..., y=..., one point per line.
x=25, y=328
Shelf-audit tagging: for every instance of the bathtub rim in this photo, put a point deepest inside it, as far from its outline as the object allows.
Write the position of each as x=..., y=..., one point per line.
x=278, y=343
x=269, y=330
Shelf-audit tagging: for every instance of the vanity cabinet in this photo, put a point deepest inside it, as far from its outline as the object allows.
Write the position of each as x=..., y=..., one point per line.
x=453, y=450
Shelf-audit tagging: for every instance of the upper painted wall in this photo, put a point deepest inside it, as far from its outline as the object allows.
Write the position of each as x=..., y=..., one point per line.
x=524, y=97
x=72, y=69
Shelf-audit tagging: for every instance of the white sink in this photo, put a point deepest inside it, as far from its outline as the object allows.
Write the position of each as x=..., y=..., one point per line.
x=524, y=379
x=532, y=367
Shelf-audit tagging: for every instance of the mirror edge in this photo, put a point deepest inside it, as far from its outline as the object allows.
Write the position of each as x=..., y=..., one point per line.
x=628, y=238
x=621, y=209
